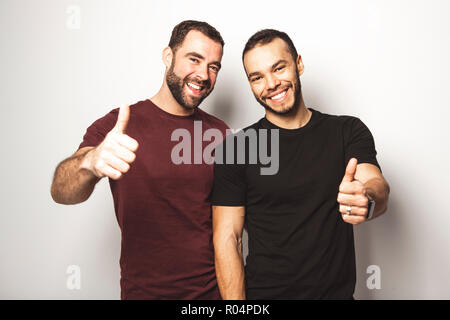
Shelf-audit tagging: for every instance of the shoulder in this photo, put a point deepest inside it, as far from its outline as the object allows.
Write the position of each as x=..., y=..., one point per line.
x=336, y=118
x=211, y=121
x=253, y=127
x=340, y=121
x=108, y=120
x=238, y=135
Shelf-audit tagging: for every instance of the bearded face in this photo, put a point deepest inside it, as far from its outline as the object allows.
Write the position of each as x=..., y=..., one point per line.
x=274, y=76
x=194, y=67
x=189, y=91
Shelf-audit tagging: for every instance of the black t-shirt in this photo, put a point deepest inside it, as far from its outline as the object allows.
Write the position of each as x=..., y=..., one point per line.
x=298, y=245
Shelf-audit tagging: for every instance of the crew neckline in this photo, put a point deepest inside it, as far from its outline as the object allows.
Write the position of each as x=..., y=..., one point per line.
x=269, y=125
x=166, y=114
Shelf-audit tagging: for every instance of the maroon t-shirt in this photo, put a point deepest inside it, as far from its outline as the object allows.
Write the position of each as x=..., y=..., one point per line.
x=163, y=209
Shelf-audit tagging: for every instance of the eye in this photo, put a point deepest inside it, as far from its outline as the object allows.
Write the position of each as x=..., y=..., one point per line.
x=195, y=60
x=214, y=68
x=279, y=68
x=254, y=79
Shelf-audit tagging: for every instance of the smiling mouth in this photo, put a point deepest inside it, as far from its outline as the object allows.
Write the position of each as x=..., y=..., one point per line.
x=279, y=97
x=195, y=88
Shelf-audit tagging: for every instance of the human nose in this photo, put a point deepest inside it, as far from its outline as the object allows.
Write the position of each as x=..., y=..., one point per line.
x=272, y=82
x=202, y=73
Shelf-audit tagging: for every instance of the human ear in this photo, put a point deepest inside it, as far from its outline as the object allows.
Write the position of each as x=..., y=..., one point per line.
x=300, y=66
x=167, y=56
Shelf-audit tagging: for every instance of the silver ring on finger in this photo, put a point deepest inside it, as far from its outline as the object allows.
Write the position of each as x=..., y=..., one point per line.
x=348, y=211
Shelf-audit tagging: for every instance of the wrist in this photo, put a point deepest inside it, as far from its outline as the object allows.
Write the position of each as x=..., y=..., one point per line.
x=87, y=163
x=370, y=206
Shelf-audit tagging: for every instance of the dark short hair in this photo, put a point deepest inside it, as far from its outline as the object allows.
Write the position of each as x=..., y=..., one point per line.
x=266, y=36
x=181, y=30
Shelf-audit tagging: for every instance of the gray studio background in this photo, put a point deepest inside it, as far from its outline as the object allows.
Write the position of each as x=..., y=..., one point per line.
x=63, y=64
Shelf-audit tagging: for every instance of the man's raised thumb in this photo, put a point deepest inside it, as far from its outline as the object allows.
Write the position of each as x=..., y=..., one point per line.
x=350, y=170
x=122, y=119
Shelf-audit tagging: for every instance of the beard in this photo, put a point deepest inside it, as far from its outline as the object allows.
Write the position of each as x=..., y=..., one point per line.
x=176, y=87
x=297, y=98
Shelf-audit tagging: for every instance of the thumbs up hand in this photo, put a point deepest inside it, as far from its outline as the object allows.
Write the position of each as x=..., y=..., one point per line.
x=352, y=199
x=112, y=157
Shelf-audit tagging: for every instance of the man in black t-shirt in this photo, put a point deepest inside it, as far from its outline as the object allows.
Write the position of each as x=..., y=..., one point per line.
x=304, y=180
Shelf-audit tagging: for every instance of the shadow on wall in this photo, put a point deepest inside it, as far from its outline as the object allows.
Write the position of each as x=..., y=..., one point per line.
x=384, y=254
x=222, y=105
x=233, y=102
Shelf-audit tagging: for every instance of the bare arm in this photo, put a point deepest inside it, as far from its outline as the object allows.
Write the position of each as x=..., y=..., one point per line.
x=228, y=225
x=71, y=182
x=75, y=178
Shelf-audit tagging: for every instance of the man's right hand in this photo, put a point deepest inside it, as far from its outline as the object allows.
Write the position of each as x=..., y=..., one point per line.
x=112, y=157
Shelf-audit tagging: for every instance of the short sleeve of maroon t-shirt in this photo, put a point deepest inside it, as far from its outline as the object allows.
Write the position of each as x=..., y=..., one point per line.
x=99, y=129
x=163, y=206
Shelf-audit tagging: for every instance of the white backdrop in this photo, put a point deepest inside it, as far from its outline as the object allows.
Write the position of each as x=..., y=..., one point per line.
x=64, y=64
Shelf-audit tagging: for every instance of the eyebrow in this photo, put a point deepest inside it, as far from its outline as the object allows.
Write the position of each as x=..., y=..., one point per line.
x=197, y=55
x=279, y=62
x=272, y=67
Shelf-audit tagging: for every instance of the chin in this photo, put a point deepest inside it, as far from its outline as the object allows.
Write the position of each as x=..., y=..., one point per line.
x=283, y=111
x=280, y=110
x=190, y=107
x=191, y=104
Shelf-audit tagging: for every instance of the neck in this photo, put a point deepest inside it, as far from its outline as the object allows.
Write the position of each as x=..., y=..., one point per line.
x=165, y=100
x=298, y=118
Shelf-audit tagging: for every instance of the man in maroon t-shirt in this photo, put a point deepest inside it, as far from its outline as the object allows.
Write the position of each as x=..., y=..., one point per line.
x=160, y=181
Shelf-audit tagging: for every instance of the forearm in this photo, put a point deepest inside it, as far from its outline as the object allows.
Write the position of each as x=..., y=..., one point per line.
x=71, y=182
x=230, y=269
x=378, y=189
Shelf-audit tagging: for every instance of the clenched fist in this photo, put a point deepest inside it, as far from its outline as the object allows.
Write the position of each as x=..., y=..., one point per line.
x=352, y=198
x=112, y=157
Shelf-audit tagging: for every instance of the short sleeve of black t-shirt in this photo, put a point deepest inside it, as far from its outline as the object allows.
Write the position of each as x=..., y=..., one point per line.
x=358, y=141
x=230, y=186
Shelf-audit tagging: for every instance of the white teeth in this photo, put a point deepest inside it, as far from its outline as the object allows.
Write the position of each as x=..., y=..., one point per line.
x=194, y=86
x=279, y=96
